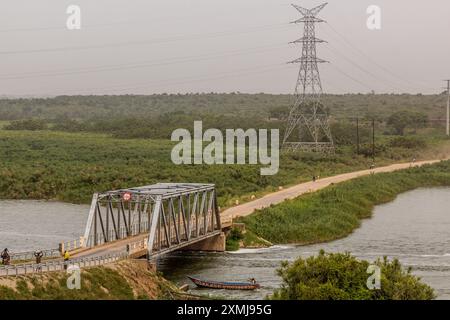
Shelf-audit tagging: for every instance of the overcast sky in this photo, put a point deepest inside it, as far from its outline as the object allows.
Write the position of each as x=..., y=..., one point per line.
x=155, y=46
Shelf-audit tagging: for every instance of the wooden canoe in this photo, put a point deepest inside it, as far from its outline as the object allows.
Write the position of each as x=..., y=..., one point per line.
x=225, y=285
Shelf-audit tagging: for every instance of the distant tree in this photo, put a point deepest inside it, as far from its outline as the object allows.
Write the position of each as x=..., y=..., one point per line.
x=401, y=120
x=336, y=276
x=408, y=143
x=30, y=124
x=279, y=113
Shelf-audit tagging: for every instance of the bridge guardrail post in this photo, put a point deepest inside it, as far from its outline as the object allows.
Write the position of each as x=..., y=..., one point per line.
x=82, y=242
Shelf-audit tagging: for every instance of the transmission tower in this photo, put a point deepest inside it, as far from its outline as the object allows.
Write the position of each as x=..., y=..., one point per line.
x=307, y=116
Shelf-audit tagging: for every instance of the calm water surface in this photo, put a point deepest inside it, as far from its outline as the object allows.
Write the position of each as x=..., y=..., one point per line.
x=414, y=228
x=30, y=225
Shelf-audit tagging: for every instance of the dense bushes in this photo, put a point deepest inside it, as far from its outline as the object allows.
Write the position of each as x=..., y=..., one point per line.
x=234, y=104
x=234, y=238
x=71, y=167
x=408, y=143
x=343, y=277
x=31, y=125
x=404, y=119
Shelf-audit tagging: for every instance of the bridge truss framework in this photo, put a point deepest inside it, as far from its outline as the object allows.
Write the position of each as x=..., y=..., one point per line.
x=174, y=215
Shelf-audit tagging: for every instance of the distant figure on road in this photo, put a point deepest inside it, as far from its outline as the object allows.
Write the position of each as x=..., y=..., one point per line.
x=314, y=178
x=66, y=259
x=6, y=258
x=38, y=255
x=372, y=166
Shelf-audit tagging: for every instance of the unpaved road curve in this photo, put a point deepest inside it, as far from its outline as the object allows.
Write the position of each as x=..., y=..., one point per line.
x=249, y=207
x=300, y=189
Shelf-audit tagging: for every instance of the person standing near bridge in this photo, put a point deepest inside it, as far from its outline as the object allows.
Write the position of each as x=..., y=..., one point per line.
x=66, y=259
x=38, y=255
x=6, y=258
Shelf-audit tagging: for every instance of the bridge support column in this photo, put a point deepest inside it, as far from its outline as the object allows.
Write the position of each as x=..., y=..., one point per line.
x=215, y=244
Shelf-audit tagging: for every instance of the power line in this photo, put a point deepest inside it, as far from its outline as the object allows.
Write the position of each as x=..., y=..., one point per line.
x=362, y=53
x=142, y=64
x=364, y=70
x=351, y=77
x=146, y=42
x=184, y=80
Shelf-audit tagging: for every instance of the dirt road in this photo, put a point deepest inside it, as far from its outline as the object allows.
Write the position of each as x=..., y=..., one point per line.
x=293, y=192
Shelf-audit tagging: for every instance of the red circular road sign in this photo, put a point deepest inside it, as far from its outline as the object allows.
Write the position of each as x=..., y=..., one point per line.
x=126, y=196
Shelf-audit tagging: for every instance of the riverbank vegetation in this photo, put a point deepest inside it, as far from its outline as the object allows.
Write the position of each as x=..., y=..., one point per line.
x=123, y=281
x=72, y=166
x=338, y=276
x=236, y=104
x=336, y=211
x=241, y=238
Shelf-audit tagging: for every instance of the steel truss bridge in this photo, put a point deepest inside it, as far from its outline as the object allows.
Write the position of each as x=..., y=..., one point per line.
x=170, y=216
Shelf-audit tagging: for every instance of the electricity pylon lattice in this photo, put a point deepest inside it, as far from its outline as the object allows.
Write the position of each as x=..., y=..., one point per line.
x=308, y=115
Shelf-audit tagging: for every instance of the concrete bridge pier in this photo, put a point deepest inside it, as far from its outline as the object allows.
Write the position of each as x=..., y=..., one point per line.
x=215, y=243
x=212, y=244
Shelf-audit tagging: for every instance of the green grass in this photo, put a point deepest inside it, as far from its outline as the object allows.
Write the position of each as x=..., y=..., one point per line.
x=3, y=124
x=96, y=283
x=336, y=211
x=125, y=280
x=71, y=167
x=251, y=240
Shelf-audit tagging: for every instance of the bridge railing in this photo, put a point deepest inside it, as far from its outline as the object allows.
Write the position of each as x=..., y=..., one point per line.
x=137, y=246
x=72, y=245
x=59, y=265
x=122, y=233
x=29, y=255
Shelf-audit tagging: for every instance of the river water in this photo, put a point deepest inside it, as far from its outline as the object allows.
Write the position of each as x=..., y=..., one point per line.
x=414, y=228
x=27, y=225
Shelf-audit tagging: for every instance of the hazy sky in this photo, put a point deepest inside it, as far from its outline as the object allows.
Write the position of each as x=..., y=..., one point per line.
x=155, y=46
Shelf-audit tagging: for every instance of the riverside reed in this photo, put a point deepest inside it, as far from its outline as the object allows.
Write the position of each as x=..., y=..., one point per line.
x=336, y=211
x=72, y=166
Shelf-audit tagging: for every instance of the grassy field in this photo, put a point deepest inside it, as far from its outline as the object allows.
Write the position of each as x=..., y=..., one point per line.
x=72, y=166
x=336, y=211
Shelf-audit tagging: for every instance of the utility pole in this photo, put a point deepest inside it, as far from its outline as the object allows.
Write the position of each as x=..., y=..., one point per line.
x=448, y=109
x=357, y=136
x=373, y=141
